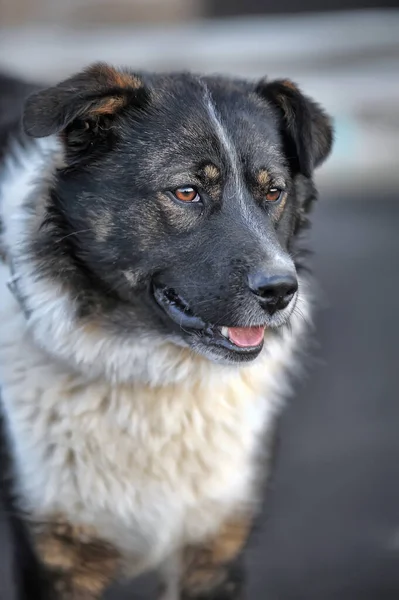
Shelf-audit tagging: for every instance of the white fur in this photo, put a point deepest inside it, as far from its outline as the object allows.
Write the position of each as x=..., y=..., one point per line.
x=150, y=443
x=227, y=144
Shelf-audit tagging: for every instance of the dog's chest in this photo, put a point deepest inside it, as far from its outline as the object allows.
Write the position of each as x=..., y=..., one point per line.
x=148, y=468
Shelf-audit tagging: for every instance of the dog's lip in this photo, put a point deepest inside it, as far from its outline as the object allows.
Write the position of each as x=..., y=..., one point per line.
x=179, y=311
x=177, y=308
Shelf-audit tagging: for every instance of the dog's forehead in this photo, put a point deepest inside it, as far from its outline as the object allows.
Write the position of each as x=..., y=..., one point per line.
x=198, y=119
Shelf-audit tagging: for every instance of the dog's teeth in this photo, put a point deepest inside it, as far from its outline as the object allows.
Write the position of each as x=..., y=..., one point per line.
x=225, y=332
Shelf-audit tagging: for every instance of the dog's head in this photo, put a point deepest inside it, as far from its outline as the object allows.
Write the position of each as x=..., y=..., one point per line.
x=176, y=206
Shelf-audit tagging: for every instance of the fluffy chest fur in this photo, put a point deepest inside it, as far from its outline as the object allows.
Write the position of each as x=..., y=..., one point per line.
x=148, y=467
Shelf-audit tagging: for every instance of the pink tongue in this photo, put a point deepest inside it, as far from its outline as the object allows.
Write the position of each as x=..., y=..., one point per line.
x=244, y=337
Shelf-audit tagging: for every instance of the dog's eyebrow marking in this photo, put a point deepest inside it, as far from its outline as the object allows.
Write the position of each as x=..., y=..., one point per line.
x=211, y=172
x=263, y=177
x=109, y=106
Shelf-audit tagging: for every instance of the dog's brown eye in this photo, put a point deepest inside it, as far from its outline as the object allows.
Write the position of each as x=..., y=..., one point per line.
x=273, y=194
x=187, y=194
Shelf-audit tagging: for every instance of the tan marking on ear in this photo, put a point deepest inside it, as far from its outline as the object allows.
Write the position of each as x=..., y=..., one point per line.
x=263, y=177
x=290, y=85
x=109, y=106
x=113, y=77
x=211, y=172
x=80, y=564
x=123, y=80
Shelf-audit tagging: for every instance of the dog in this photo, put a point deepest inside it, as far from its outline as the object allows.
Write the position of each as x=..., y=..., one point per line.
x=154, y=302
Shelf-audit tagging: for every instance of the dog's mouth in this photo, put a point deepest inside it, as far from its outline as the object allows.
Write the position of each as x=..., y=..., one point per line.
x=246, y=341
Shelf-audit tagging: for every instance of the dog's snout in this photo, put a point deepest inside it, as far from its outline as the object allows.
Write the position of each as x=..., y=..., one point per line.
x=274, y=292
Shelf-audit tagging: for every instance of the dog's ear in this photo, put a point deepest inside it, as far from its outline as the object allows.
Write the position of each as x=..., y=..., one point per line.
x=99, y=91
x=306, y=129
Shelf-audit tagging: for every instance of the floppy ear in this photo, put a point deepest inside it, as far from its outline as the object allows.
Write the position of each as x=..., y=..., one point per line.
x=306, y=129
x=99, y=91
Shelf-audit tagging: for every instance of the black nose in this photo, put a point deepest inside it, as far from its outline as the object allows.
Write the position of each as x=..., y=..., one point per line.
x=274, y=292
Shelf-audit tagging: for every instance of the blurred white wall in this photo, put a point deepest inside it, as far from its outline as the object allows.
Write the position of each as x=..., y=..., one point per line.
x=348, y=61
x=80, y=13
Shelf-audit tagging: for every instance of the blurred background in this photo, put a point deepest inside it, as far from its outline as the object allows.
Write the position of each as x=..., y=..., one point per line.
x=331, y=527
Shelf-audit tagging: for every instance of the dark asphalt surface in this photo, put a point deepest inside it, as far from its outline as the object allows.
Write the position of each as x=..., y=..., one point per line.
x=331, y=531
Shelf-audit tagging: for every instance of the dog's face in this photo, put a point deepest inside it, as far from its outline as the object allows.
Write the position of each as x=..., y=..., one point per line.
x=177, y=203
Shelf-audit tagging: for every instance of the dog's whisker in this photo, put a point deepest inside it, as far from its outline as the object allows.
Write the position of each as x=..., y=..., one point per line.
x=73, y=233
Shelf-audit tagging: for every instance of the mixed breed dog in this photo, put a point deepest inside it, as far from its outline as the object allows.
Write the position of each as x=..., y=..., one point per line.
x=153, y=304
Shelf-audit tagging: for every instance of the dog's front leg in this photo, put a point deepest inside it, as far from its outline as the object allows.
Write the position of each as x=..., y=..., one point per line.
x=77, y=564
x=215, y=570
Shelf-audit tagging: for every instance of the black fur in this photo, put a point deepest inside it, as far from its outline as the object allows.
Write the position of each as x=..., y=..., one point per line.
x=130, y=140
x=52, y=110
x=305, y=127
